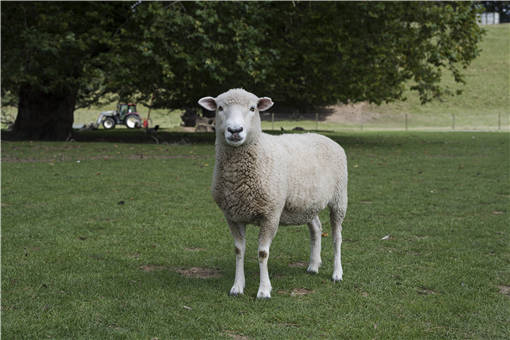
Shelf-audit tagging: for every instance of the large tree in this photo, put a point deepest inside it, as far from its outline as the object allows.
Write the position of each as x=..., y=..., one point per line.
x=300, y=53
x=54, y=58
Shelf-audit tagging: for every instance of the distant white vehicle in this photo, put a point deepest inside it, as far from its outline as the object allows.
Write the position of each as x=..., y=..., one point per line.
x=488, y=18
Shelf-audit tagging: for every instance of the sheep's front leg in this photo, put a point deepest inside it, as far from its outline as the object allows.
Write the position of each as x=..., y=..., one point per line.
x=266, y=235
x=238, y=232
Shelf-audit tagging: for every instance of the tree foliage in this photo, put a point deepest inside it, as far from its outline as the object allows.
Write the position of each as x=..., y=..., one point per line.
x=180, y=51
x=368, y=51
x=59, y=47
x=301, y=54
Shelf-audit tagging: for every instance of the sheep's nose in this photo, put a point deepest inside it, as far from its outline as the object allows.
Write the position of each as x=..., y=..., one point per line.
x=232, y=131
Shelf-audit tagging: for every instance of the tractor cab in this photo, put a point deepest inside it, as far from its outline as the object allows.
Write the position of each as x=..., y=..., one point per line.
x=124, y=109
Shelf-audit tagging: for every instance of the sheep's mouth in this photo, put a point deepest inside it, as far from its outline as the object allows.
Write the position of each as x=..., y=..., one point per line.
x=235, y=139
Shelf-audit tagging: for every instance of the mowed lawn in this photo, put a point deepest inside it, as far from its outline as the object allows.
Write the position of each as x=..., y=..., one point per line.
x=119, y=240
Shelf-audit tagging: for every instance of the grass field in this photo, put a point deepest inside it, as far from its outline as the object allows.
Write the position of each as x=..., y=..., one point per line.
x=108, y=240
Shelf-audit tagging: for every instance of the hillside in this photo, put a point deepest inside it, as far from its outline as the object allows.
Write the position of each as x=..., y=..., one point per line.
x=485, y=94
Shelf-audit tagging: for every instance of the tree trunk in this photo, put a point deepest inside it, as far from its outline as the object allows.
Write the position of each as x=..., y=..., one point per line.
x=44, y=116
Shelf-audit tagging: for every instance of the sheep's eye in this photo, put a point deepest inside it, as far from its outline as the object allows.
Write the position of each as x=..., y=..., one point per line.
x=220, y=108
x=252, y=109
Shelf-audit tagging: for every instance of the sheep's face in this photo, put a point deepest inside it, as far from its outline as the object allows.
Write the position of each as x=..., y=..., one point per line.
x=237, y=115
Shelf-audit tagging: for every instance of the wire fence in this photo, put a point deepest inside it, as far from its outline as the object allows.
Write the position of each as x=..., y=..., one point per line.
x=402, y=122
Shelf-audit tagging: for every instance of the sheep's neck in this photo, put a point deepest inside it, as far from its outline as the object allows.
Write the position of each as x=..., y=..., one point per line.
x=241, y=159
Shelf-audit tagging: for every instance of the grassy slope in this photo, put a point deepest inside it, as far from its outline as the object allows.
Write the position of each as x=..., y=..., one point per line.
x=485, y=95
x=71, y=254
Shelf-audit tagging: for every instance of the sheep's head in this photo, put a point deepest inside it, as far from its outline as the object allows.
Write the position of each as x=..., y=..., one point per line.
x=237, y=115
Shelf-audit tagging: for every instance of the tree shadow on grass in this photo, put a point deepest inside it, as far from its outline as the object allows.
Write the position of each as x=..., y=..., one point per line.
x=140, y=136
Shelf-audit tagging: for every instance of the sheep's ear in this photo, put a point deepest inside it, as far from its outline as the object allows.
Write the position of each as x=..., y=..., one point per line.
x=208, y=103
x=264, y=103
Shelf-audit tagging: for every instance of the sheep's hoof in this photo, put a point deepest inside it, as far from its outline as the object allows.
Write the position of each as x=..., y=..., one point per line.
x=263, y=294
x=312, y=270
x=336, y=278
x=235, y=292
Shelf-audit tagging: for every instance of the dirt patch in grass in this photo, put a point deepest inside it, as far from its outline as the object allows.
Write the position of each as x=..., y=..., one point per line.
x=199, y=272
x=300, y=291
x=425, y=291
x=504, y=290
x=351, y=113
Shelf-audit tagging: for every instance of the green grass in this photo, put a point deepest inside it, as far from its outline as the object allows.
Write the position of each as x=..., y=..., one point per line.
x=79, y=264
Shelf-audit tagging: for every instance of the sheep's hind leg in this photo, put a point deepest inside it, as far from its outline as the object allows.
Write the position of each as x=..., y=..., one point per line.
x=315, y=245
x=337, y=217
x=266, y=235
x=238, y=232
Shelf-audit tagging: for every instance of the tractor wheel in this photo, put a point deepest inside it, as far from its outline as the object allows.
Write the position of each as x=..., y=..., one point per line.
x=108, y=123
x=133, y=121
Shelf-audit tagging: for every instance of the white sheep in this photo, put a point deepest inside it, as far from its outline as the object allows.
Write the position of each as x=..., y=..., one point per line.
x=270, y=180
